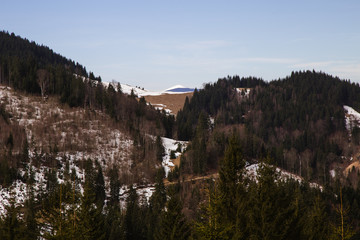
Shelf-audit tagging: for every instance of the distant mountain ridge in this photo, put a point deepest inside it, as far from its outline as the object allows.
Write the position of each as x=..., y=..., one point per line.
x=181, y=90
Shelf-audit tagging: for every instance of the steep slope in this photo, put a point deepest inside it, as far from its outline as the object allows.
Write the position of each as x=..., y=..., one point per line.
x=62, y=139
x=60, y=125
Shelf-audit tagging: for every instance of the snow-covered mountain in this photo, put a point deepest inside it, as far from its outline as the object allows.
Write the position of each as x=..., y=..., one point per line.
x=178, y=89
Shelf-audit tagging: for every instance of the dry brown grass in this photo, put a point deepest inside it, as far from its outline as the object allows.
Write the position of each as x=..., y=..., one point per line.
x=174, y=102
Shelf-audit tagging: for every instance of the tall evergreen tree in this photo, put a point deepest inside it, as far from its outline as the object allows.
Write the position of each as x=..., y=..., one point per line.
x=133, y=222
x=157, y=204
x=317, y=224
x=231, y=178
x=210, y=226
x=10, y=225
x=99, y=186
x=173, y=224
x=269, y=217
x=91, y=219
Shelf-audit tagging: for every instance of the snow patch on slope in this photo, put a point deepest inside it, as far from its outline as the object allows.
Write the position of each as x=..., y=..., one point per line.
x=352, y=118
x=125, y=88
x=252, y=172
x=245, y=91
x=171, y=145
x=71, y=129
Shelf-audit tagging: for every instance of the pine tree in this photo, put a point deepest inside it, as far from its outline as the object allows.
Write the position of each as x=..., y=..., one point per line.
x=157, y=204
x=231, y=178
x=10, y=225
x=114, y=186
x=160, y=150
x=317, y=224
x=270, y=214
x=31, y=225
x=210, y=226
x=133, y=226
x=99, y=186
x=91, y=220
x=114, y=218
x=173, y=225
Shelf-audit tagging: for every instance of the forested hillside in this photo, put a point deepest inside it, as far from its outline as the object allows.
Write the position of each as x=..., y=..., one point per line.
x=299, y=120
x=35, y=69
x=79, y=159
x=298, y=123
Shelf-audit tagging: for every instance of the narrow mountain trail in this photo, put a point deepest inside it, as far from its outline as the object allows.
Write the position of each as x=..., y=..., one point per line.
x=190, y=178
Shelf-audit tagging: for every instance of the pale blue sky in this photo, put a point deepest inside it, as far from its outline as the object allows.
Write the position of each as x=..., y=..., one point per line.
x=157, y=44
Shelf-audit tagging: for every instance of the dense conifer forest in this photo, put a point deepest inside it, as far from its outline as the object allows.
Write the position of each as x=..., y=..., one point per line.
x=296, y=124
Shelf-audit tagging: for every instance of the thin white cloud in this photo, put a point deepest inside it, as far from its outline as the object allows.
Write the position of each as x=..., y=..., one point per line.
x=342, y=69
x=349, y=71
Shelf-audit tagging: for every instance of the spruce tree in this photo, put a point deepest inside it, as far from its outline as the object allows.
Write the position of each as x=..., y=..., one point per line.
x=91, y=219
x=270, y=214
x=173, y=225
x=210, y=225
x=31, y=225
x=317, y=224
x=160, y=150
x=133, y=221
x=10, y=225
x=231, y=179
x=99, y=186
x=157, y=204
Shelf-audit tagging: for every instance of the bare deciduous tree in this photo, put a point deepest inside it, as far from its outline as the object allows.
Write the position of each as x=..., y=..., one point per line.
x=43, y=79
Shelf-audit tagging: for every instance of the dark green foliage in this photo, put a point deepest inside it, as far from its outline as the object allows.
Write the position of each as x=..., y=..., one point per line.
x=156, y=205
x=172, y=154
x=211, y=224
x=212, y=99
x=91, y=219
x=173, y=224
x=298, y=120
x=158, y=199
x=317, y=221
x=168, y=123
x=160, y=150
x=269, y=208
x=269, y=217
x=198, y=145
x=133, y=226
x=99, y=186
x=10, y=225
x=113, y=225
x=114, y=186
